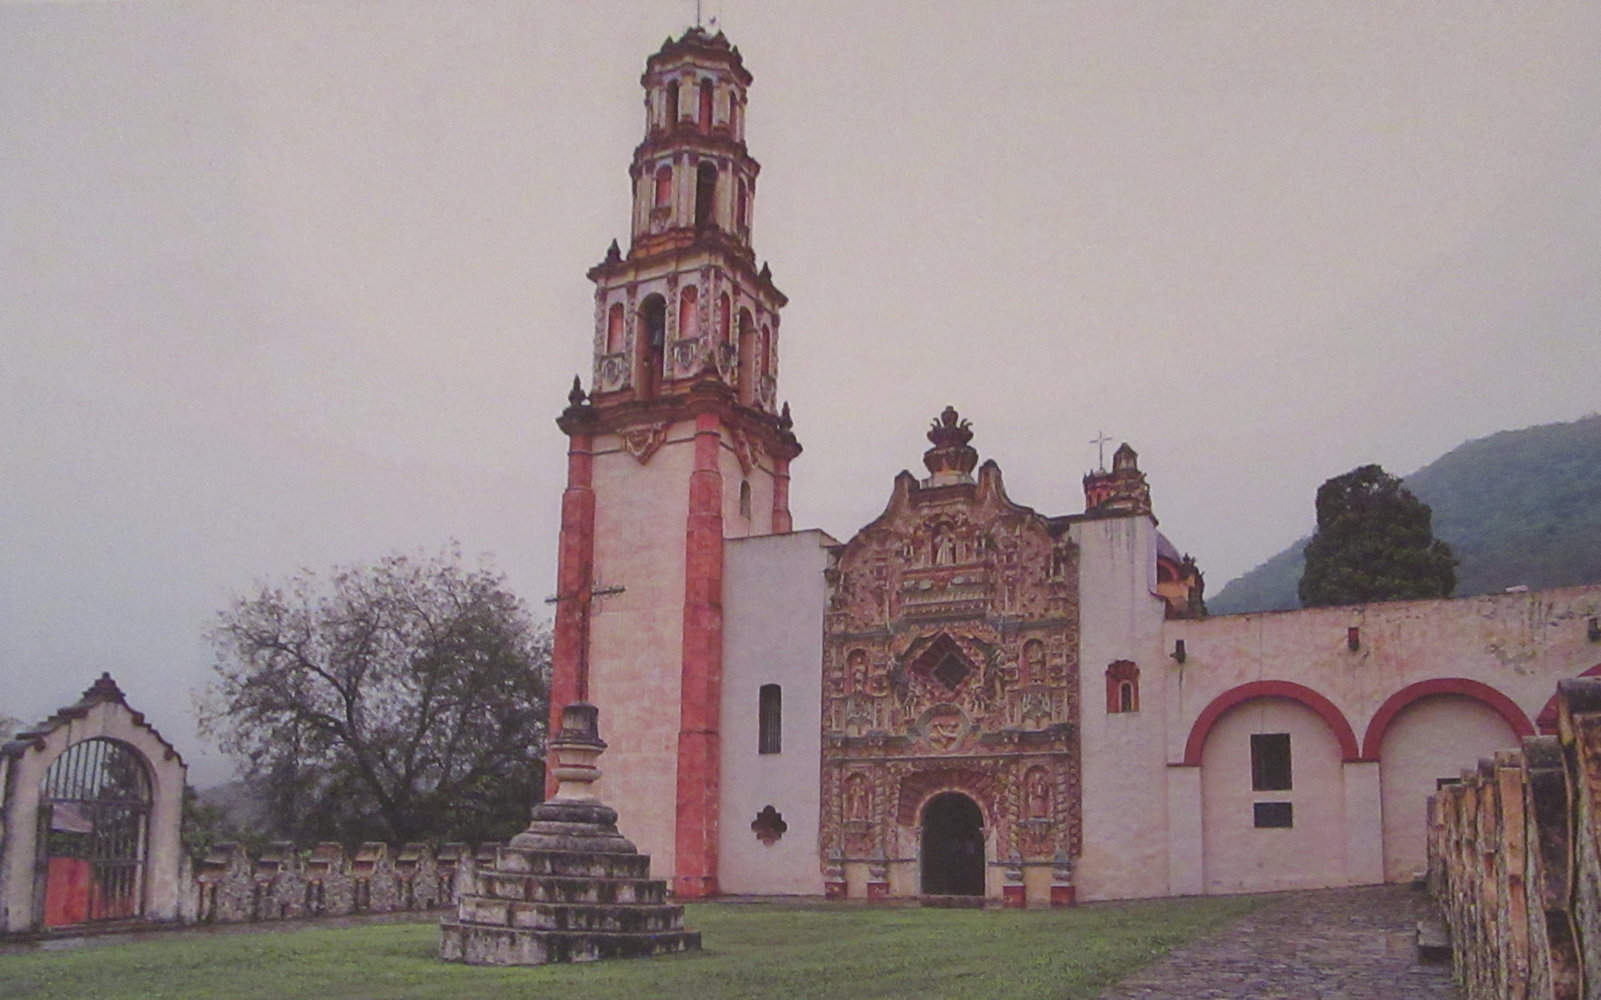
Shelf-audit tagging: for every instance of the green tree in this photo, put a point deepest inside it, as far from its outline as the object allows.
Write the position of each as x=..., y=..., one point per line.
x=403, y=700
x=1373, y=543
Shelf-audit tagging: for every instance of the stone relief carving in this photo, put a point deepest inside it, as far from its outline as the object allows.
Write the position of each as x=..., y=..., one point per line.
x=642, y=442
x=747, y=449
x=687, y=356
x=611, y=373
x=951, y=644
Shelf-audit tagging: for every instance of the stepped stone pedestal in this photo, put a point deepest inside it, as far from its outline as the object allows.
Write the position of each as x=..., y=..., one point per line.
x=570, y=888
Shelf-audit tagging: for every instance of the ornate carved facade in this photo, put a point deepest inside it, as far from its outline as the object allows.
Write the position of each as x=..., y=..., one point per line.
x=950, y=665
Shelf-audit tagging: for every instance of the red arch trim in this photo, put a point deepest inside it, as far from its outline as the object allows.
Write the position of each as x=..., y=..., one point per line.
x=1325, y=708
x=1504, y=706
x=1546, y=721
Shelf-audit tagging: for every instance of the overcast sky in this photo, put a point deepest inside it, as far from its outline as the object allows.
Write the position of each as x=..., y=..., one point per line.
x=295, y=284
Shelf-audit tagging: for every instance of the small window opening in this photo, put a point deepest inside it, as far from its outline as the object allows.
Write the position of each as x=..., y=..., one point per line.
x=744, y=499
x=1273, y=815
x=688, y=312
x=705, y=121
x=1122, y=687
x=1270, y=762
x=614, y=328
x=705, y=195
x=747, y=358
x=664, y=186
x=652, y=340
x=672, y=106
x=770, y=719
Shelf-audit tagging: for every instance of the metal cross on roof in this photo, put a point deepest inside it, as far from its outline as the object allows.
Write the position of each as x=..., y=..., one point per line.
x=1099, y=440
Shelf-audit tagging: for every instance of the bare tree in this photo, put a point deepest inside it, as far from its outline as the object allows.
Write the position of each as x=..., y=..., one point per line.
x=402, y=700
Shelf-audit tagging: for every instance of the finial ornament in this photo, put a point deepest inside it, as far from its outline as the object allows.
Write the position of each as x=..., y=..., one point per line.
x=576, y=397
x=951, y=460
x=614, y=253
x=949, y=429
x=784, y=420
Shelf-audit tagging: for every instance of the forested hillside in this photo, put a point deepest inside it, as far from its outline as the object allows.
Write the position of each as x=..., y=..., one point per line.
x=1518, y=507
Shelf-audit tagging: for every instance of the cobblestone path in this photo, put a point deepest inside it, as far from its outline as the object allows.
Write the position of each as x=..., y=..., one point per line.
x=1328, y=944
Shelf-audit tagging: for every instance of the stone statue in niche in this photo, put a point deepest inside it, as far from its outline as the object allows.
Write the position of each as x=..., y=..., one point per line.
x=944, y=549
x=1033, y=662
x=858, y=798
x=856, y=670
x=1038, y=791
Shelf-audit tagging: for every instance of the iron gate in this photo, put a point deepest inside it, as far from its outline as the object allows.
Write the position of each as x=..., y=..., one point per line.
x=94, y=808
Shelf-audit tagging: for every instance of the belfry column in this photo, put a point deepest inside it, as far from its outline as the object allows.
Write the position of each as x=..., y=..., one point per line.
x=698, y=742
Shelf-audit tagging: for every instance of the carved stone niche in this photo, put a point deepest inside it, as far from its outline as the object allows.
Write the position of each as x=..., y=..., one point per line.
x=687, y=355
x=611, y=373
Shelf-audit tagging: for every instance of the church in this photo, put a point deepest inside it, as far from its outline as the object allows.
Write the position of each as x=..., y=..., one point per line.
x=968, y=696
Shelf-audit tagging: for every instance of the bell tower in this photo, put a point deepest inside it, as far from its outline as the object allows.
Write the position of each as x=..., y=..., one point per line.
x=678, y=444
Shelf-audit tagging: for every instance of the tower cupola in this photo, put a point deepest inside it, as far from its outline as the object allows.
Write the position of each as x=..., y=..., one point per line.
x=1121, y=491
x=687, y=304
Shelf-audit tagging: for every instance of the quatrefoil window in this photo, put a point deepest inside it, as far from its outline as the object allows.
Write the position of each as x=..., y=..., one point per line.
x=769, y=826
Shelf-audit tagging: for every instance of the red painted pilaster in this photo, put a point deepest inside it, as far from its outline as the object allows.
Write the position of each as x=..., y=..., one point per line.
x=783, y=524
x=696, y=830
x=575, y=556
x=1014, y=896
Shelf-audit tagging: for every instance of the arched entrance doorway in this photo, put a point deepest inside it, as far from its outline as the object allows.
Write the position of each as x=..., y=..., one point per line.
x=953, y=846
x=94, y=807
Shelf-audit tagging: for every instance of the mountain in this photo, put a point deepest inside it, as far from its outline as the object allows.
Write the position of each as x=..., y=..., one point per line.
x=1518, y=508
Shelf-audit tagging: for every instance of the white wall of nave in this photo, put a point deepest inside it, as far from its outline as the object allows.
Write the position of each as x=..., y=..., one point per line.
x=773, y=599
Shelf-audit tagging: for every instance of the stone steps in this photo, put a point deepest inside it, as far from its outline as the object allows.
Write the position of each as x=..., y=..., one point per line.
x=571, y=864
x=601, y=917
x=571, y=889
x=476, y=944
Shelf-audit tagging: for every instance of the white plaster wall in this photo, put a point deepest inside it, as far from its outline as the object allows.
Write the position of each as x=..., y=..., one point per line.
x=1238, y=856
x=1432, y=738
x=760, y=478
x=1519, y=644
x=773, y=598
x=636, y=637
x=21, y=786
x=1125, y=788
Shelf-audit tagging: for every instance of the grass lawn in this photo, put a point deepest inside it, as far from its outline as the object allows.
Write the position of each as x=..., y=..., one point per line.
x=751, y=950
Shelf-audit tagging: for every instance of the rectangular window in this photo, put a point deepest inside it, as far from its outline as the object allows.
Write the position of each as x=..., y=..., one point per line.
x=770, y=719
x=1274, y=814
x=1270, y=762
